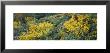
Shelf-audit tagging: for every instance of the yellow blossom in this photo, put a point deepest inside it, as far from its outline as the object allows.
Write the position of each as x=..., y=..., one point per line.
x=75, y=26
x=16, y=24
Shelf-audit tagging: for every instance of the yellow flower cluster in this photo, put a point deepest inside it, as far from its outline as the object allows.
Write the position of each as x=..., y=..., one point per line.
x=28, y=35
x=61, y=33
x=44, y=26
x=30, y=20
x=36, y=31
x=16, y=24
x=75, y=24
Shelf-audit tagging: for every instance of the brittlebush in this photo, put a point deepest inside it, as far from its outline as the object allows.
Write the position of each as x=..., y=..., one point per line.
x=75, y=25
x=36, y=31
x=16, y=24
x=58, y=26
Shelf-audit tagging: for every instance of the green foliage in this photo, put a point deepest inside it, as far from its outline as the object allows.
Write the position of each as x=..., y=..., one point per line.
x=55, y=26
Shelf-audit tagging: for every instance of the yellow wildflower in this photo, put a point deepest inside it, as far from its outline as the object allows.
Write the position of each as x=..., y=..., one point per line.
x=73, y=25
x=16, y=24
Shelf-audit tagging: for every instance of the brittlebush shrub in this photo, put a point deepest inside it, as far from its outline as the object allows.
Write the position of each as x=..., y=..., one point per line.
x=55, y=26
x=75, y=25
x=36, y=31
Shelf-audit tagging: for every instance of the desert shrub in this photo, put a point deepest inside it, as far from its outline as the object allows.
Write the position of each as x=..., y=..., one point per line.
x=55, y=26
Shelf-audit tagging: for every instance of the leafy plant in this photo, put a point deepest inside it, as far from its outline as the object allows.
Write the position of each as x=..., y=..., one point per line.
x=55, y=26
